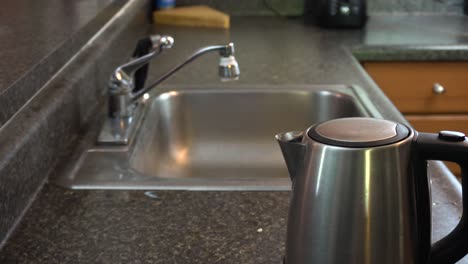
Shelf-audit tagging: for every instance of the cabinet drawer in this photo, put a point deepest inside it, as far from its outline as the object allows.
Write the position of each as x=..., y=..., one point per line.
x=435, y=123
x=410, y=85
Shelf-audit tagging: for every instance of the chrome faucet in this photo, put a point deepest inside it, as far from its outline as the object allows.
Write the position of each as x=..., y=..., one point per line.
x=124, y=110
x=122, y=83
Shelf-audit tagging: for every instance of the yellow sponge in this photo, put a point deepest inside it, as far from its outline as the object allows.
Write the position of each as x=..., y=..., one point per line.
x=193, y=16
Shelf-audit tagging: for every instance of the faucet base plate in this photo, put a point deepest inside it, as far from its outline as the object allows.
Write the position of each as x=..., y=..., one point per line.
x=119, y=131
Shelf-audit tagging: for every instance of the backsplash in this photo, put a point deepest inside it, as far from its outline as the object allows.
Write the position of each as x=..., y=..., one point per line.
x=295, y=7
x=39, y=136
x=415, y=6
x=250, y=7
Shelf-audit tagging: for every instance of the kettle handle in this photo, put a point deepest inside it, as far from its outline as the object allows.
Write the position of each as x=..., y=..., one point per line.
x=446, y=146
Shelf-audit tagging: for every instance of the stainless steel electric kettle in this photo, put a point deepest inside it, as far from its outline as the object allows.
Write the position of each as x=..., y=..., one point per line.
x=361, y=193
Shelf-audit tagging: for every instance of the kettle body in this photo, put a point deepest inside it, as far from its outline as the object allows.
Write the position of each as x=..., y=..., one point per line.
x=361, y=194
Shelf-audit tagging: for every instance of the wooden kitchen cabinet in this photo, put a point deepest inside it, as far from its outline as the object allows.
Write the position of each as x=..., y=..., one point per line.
x=416, y=90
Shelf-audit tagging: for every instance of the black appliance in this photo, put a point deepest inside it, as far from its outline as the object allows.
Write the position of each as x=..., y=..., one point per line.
x=336, y=13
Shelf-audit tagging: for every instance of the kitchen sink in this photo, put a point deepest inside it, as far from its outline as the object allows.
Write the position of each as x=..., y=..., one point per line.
x=201, y=138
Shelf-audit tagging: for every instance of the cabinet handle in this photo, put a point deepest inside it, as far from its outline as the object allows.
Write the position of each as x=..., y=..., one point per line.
x=438, y=89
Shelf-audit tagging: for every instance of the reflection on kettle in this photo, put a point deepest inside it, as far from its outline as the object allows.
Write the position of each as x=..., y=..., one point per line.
x=361, y=193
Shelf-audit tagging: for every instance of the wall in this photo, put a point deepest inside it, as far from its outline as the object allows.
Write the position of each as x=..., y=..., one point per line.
x=295, y=7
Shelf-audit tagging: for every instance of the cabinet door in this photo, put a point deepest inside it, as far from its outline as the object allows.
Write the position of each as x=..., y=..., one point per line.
x=410, y=85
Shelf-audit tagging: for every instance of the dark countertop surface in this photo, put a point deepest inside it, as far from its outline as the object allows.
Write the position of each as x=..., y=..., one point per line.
x=65, y=226
x=414, y=38
x=131, y=227
x=38, y=39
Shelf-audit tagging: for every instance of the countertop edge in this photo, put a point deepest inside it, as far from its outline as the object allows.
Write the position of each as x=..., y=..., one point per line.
x=39, y=127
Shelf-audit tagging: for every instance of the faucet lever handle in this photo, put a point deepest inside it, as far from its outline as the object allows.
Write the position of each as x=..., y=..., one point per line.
x=159, y=43
x=127, y=70
x=143, y=47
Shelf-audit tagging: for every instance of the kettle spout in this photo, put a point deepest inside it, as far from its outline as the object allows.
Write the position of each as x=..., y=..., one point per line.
x=293, y=150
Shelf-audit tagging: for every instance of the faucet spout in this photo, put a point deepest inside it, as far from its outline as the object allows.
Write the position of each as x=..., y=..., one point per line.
x=227, y=61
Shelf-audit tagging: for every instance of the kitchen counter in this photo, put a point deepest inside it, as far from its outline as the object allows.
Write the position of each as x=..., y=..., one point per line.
x=65, y=226
x=48, y=98
x=38, y=39
x=155, y=227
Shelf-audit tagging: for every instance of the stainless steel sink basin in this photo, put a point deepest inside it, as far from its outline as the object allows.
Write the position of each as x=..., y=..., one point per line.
x=223, y=139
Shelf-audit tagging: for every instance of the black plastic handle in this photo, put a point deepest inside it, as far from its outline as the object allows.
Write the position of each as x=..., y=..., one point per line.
x=454, y=246
x=142, y=48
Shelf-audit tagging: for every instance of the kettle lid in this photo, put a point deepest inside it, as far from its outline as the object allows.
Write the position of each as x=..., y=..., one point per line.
x=358, y=132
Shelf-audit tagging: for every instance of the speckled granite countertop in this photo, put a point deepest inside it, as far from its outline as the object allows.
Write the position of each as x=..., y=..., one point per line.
x=414, y=38
x=65, y=226
x=131, y=227
x=37, y=39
